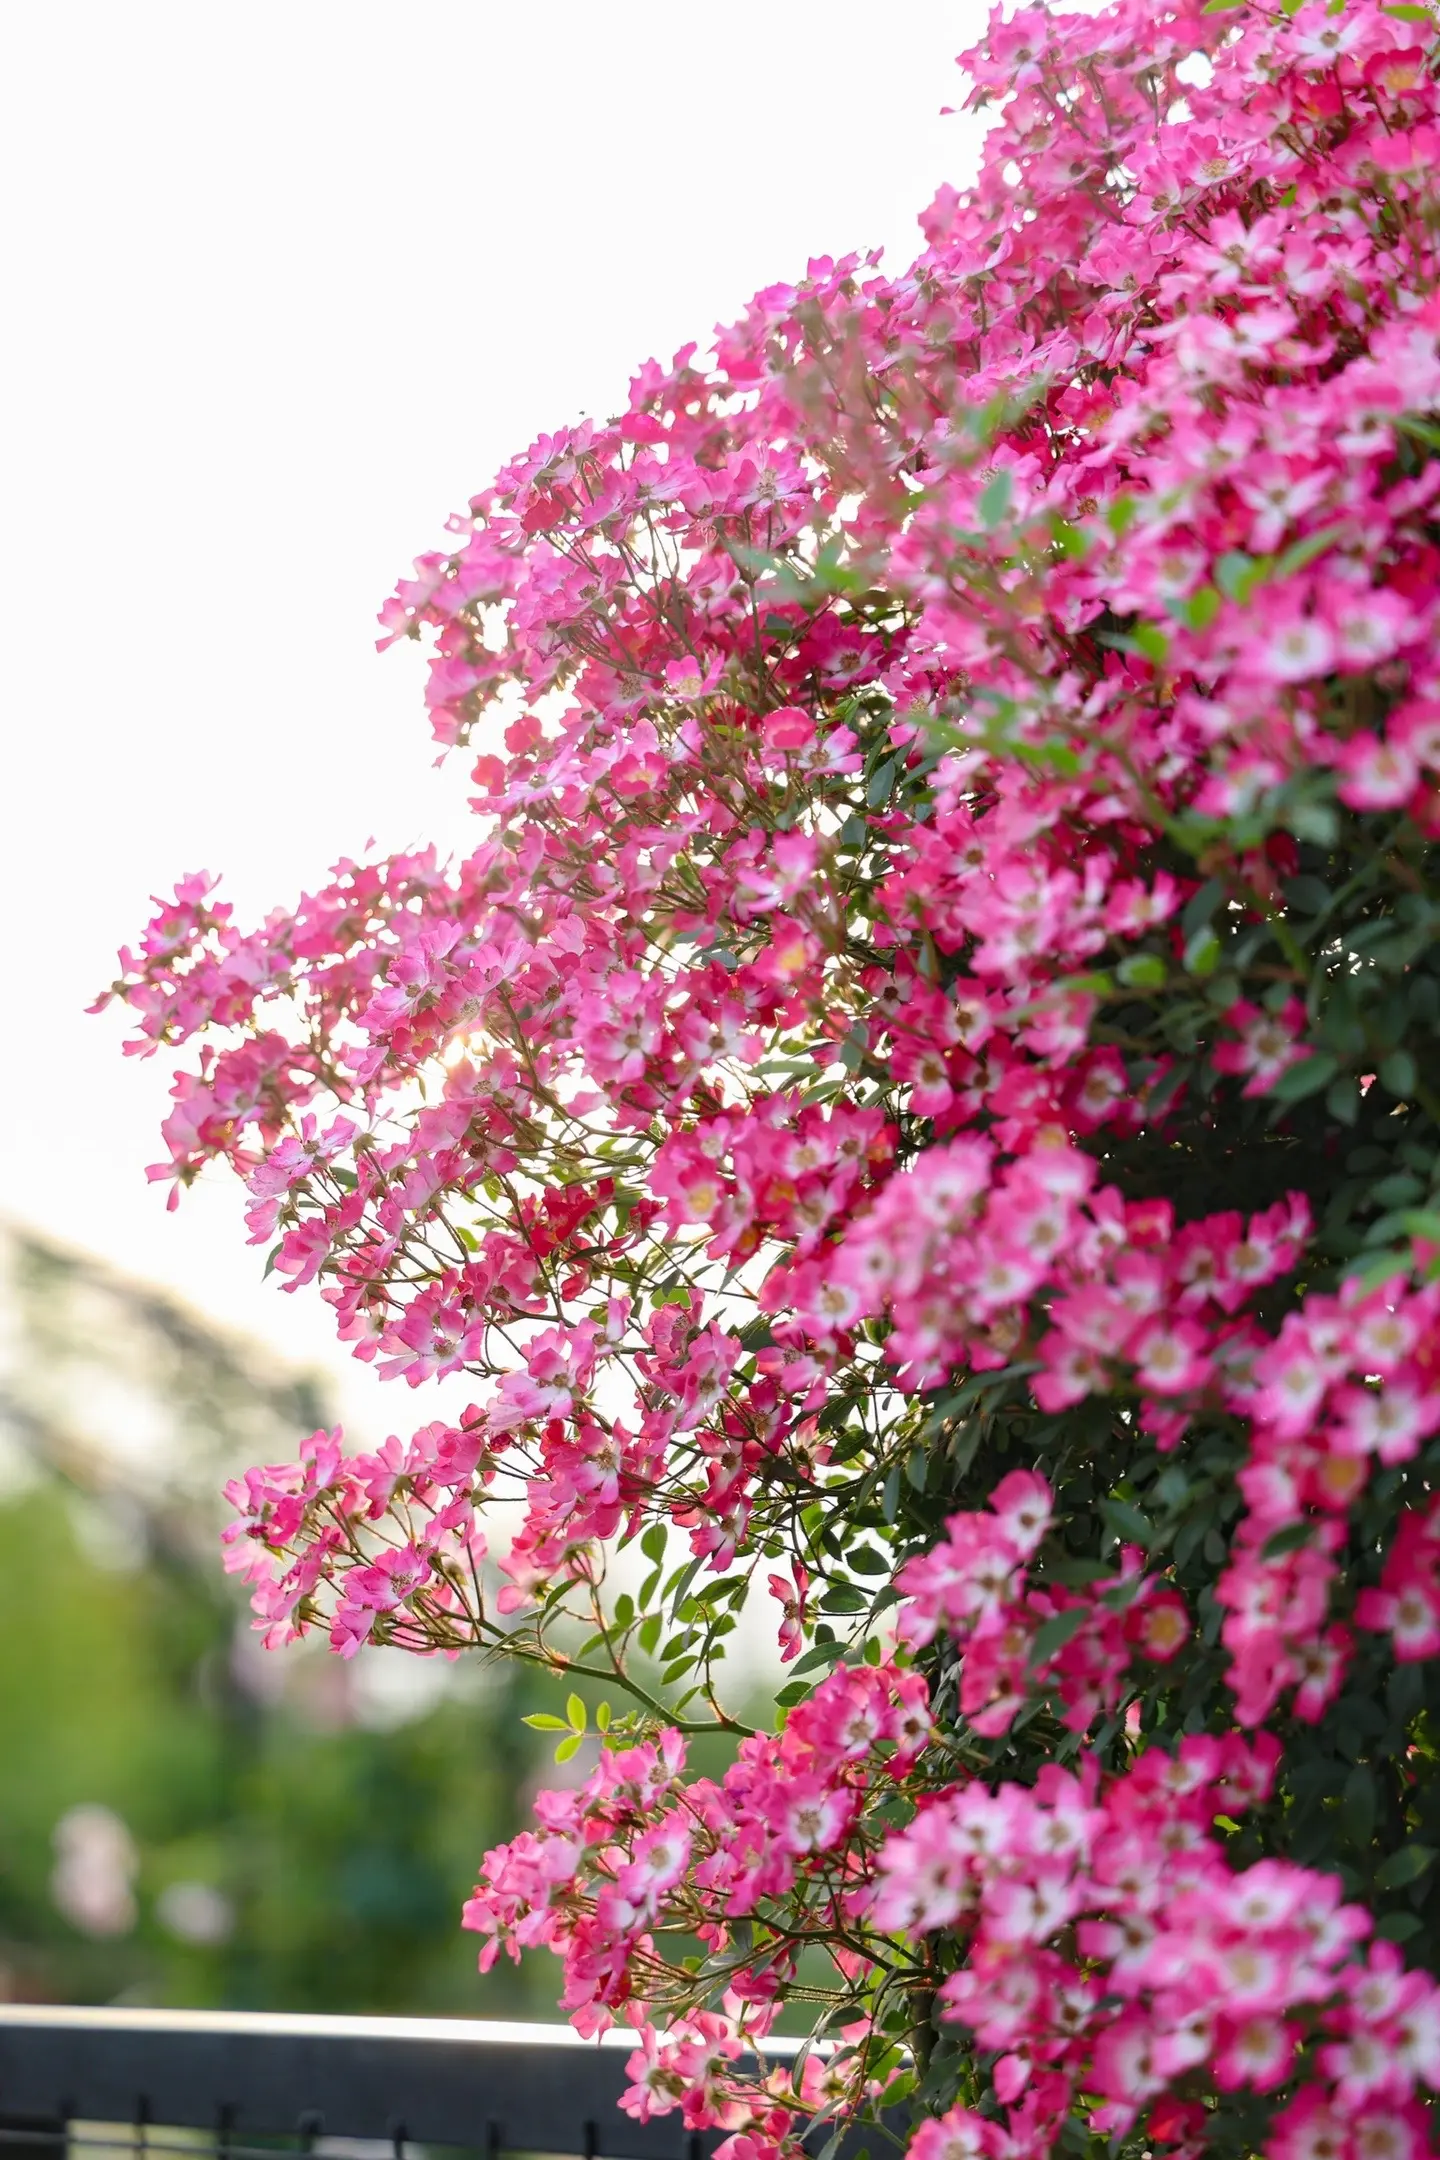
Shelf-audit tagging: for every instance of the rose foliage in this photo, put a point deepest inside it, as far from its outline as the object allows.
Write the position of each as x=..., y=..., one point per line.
x=922, y=1107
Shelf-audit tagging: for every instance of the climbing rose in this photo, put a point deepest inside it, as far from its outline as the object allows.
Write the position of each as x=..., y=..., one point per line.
x=917, y=1113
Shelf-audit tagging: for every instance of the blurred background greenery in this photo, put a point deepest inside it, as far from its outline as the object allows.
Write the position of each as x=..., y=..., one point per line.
x=184, y=1818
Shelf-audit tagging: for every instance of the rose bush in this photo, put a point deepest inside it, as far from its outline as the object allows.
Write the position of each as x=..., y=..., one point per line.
x=922, y=1106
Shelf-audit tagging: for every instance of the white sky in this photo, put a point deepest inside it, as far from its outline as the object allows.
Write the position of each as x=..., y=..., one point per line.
x=285, y=282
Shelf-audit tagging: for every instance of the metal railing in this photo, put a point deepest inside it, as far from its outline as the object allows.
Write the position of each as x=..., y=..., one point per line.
x=79, y=2084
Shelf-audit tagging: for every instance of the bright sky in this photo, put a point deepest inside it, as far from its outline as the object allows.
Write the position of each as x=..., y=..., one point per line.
x=286, y=282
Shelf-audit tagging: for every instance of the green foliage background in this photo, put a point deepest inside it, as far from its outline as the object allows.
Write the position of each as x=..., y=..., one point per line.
x=346, y=1852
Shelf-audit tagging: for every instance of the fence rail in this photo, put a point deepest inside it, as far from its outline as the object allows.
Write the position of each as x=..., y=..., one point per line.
x=248, y=2081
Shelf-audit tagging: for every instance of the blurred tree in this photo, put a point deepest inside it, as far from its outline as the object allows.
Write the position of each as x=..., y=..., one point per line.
x=182, y=1820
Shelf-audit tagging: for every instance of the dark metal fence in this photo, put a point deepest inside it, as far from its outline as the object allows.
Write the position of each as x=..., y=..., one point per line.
x=79, y=2084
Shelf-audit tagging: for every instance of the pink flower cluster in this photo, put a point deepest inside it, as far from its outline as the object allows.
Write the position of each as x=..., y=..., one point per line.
x=1111, y=1945
x=677, y=806
x=1347, y=1384
x=636, y=1847
x=1112, y=1949
x=345, y=1504
x=1406, y=1606
x=973, y=1584
x=894, y=735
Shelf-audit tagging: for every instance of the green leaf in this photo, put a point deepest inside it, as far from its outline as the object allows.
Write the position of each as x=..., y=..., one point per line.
x=1290, y=1539
x=1237, y=575
x=1405, y=1866
x=1142, y=971
x=820, y=1653
x=856, y=1043
x=1202, y=954
x=1152, y=641
x=1343, y=1100
x=653, y=1542
x=541, y=1721
x=1305, y=551
x=576, y=1713
x=1054, y=1633
x=1405, y=11
x=602, y=1716
x=1421, y=429
x=1358, y=1803
x=1398, y=1927
x=1376, y=1268
x=680, y=1582
x=994, y=503
x=844, y=1598
x=1221, y=7
x=881, y=781
x=1201, y=906
x=569, y=1745
x=1201, y=608
x=793, y=1691
x=1172, y=1487
x=1306, y=1078
x=1310, y=894
x=964, y=1444
x=1068, y=539
x=1128, y=1523
x=1397, y=1073
x=1312, y=820
x=866, y=1561
x=1054, y=752
x=1079, y=1574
